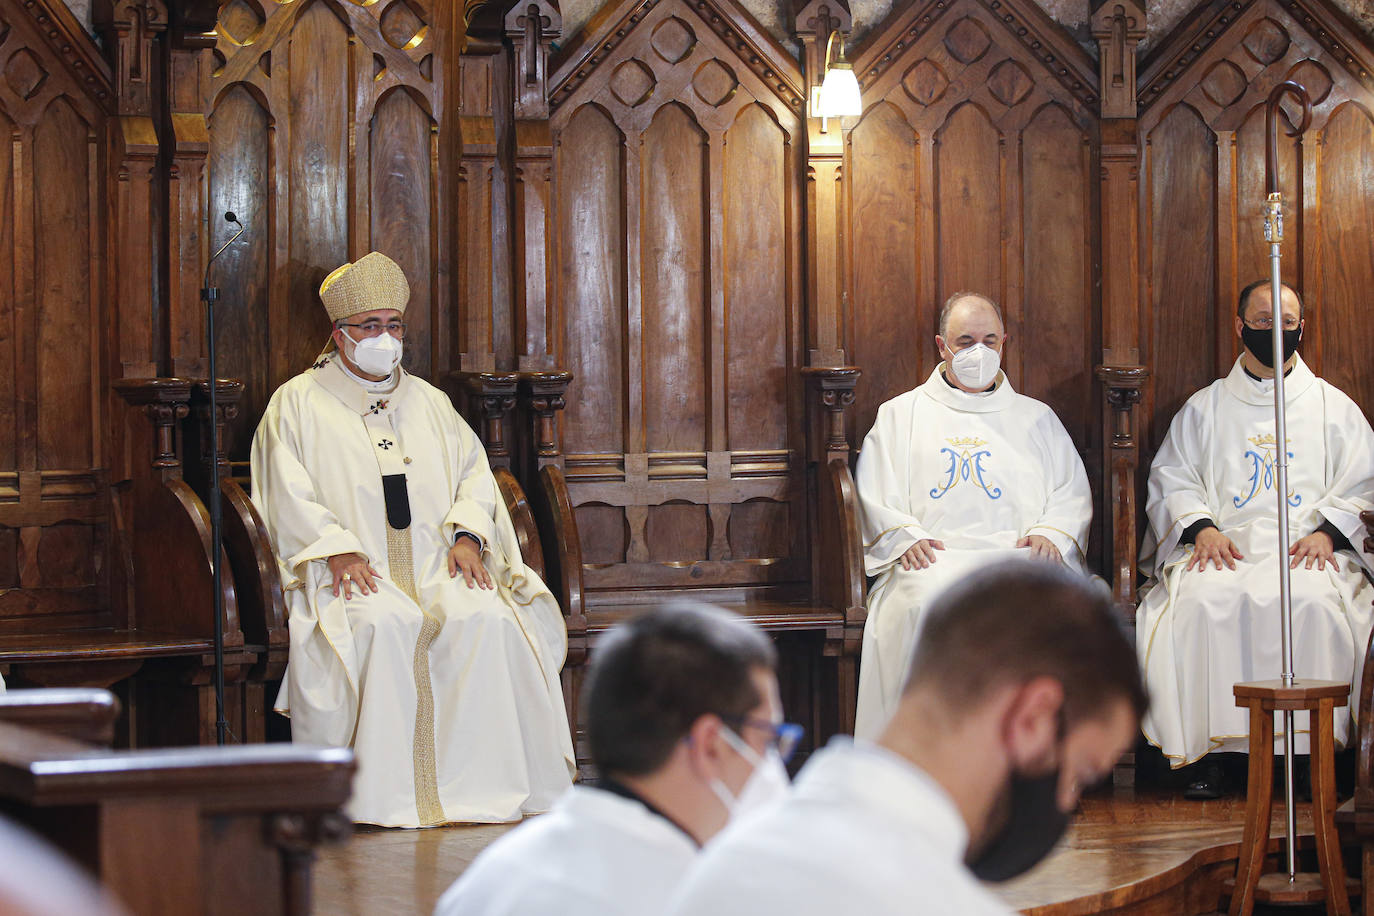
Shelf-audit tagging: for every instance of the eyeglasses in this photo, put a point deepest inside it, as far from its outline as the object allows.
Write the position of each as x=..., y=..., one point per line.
x=783, y=737
x=396, y=329
x=1267, y=324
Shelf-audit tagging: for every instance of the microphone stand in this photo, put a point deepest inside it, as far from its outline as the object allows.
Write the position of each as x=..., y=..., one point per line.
x=209, y=294
x=1273, y=234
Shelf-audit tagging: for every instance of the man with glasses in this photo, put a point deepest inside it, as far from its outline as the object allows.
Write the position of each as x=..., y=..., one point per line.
x=1022, y=692
x=418, y=636
x=957, y=474
x=1210, y=613
x=685, y=728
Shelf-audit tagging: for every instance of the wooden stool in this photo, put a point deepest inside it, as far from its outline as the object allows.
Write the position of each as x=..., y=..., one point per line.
x=1320, y=699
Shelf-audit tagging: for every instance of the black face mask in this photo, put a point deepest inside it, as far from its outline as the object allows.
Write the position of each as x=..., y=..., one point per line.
x=1261, y=343
x=1033, y=825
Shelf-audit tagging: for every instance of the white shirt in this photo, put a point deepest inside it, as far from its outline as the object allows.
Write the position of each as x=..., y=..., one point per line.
x=595, y=853
x=863, y=832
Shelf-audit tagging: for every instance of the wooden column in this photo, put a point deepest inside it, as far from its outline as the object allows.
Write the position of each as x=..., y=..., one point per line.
x=487, y=401
x=827, y=299
x=164, y=402
x=531, y=26
x=1118, y=25
x=1123, y=384
x=132, y=31
x=483, y=212
x=543, y=395
x=187, y=144
x=830, y=393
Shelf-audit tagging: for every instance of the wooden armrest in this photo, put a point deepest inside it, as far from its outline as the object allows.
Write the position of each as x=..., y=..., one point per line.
x=257, y=580
x=842, y=583
x=562, y=546
x=84, y=714
x=522, y=517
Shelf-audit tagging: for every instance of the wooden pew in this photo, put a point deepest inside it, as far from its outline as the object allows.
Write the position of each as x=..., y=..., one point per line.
x=183, y=830
x=84, y=714
x=828, y=608
x=146, y=625
x=260, y=600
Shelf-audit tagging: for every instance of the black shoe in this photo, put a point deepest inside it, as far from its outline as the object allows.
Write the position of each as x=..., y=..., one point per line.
x=1207, y=786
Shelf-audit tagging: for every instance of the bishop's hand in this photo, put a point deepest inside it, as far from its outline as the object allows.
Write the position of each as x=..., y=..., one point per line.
x=1041, y=548
x=921, y=554
x=1211, y=546
x=466, y=557
x=352, y=570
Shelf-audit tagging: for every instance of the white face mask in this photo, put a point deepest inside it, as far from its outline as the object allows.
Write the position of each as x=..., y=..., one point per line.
x=766, y=786
x=976, y=366
x=376, y=355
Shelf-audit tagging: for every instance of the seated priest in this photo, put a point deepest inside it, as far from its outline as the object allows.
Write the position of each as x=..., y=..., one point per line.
x=1209, y=616
x=685, y=727
x=974, y=776
x=957, y=474
x=418, y=636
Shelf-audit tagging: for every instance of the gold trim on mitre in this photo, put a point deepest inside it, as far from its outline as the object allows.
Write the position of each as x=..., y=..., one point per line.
x=372, y=282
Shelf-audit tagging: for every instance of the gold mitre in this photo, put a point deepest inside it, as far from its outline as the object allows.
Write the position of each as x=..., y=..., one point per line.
x=374, y=281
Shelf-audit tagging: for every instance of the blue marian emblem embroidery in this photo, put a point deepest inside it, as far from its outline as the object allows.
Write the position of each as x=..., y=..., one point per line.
x=965, y=464
x=1263, y=465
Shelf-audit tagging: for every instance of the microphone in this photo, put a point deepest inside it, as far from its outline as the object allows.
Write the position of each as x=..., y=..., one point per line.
x=230, y=218
x=208, y=295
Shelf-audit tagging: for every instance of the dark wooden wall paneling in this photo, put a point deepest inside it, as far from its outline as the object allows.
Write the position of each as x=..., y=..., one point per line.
x=328, y=130
x=973, y=167
x=653, y=211
x=677, y=184
x=1202, y=187
x=55, y=196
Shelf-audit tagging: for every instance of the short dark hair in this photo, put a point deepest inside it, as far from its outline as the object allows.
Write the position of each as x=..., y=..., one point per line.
x=956, y=298
x=1244, y=298
x=653, y=677
x=1024, y=620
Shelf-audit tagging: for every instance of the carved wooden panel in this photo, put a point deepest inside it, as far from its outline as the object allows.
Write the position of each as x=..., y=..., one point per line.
x=53, y=319
x=325, y=132
x=678, y=135
x=1202, y=171
x=973, y=167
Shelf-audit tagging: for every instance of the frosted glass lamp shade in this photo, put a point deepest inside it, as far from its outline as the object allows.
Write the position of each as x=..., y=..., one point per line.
x=840, y=92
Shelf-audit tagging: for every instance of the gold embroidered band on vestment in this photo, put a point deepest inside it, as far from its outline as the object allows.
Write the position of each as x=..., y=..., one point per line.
x=402, y=568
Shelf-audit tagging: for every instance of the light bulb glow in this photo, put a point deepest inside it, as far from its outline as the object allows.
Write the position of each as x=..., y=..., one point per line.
x=840, y=93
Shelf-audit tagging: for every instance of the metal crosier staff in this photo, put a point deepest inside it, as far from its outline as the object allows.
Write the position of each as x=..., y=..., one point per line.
x=1273, y=234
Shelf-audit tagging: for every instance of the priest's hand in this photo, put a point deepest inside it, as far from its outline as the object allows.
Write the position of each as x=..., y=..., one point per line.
x=1041, y=548
x=1211, y=546
x=466, y=557
x=350, y=569
x=921, y=554
x=1317, y=547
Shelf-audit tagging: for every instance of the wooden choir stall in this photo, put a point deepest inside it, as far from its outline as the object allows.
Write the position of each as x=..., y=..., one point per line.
x=668, y=298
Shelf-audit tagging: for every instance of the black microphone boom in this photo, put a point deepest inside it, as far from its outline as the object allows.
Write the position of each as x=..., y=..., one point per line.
x=208, y=295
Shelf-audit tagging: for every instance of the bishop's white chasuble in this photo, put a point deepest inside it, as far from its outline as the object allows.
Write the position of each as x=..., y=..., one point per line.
x=1199, y=632
x=449, y=695
x=976, y=471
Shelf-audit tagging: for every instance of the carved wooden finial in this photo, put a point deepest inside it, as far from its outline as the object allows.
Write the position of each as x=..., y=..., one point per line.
x=532, y=26
x=1118, y=26
x=814, y=22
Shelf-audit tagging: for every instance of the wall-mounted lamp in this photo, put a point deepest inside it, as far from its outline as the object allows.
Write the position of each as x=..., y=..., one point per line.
x=838, y=94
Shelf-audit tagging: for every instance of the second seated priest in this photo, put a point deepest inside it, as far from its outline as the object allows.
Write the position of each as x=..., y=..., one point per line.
x=1209, y=617
x=957, y=474
x=419, y=638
